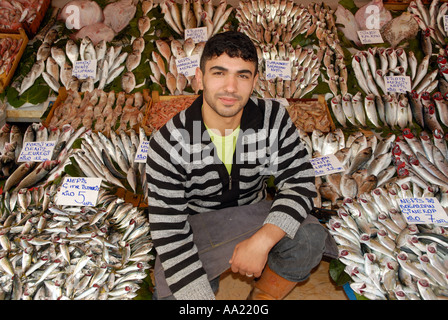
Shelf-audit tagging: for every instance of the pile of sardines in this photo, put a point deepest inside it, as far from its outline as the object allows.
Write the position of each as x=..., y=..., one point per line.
x=50, y=251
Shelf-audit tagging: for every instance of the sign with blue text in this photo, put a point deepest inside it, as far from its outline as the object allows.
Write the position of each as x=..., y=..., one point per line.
x=278, y=69
x=370, y=36
x=423, y=211
x=142, y=152
x=78, y=191
x=187, y=66
x=36, y=151
x=399, y=84
x=197, y=34
x=326, y=165
x=84, y=69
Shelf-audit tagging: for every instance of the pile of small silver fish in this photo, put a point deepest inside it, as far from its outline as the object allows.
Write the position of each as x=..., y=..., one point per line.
x=390, y=110
x=330, y=47
x=430, y=19
x=9, y=47
x=164, y=67
x=386, y=257
x=11, y=141
x=28, y=174
x=52, y=252
x=381, y=107
x=423, y=158
x=99, y=110
x=371, y=76
x=305, y=71
x=55, y=64
x=14, y=13
x=273, y=21
x=192, y=14
x=273, y=26
x=365, y=158
x=113, y=159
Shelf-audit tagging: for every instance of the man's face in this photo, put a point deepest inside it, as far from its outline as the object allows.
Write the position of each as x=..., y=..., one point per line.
x=227, y=84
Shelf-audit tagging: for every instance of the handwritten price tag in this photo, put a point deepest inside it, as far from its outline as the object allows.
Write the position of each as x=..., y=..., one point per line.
x=278, y=69
x=78, y=191
x=187, y=66
x=400, y=84
x=197, y=34
x=370, y=36
x=84, y=69
x=37, y=151
x=423, y=211
x=326, y=165
x=142, y=152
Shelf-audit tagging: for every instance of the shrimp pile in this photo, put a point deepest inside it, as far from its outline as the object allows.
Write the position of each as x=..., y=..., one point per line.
x=162, y=111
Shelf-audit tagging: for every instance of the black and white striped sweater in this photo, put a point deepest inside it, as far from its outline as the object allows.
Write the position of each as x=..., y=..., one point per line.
x=185, y=176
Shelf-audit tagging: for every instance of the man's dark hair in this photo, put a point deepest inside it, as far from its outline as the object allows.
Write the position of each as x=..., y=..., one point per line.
x=234, y=44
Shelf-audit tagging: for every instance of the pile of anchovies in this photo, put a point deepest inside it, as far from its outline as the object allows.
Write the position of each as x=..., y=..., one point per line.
x=50, y=252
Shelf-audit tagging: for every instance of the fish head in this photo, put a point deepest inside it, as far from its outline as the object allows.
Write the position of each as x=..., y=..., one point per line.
x=425, y=95
x=441, y=60
x=438, y=134
x=407, y=133
x=437, y=96
x=443, y=70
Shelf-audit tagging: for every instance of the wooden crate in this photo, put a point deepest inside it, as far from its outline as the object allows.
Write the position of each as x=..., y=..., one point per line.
x=62, y=95
x=155, y=97
x=32, y=28
x=5, y=79
x=402, y=5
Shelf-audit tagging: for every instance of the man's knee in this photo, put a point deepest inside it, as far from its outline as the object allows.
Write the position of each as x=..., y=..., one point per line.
x=295, y=258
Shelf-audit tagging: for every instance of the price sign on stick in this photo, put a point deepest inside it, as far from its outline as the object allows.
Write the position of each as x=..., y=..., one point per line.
x=78, y=191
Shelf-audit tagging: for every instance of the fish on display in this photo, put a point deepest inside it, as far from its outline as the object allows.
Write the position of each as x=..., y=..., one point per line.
x=164, y=68
x=72, y=253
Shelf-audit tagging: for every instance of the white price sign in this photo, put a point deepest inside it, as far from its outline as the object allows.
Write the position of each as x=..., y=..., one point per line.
x=78, y=191
x=84, y=69
x=36, y=151
x=278, y=69
x=142, y=152
x=197, y=34
x=400, y=84
x=326, y=165
x=187, y=66
x=422, y=211
x=370, y=36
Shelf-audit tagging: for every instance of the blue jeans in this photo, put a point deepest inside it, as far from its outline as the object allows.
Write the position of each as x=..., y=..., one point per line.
x=217, y=232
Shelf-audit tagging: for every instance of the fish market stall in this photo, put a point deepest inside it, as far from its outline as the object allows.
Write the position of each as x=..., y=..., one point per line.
x=370, y=103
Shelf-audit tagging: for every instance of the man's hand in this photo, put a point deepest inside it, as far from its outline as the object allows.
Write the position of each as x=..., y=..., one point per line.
x=250, y=255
